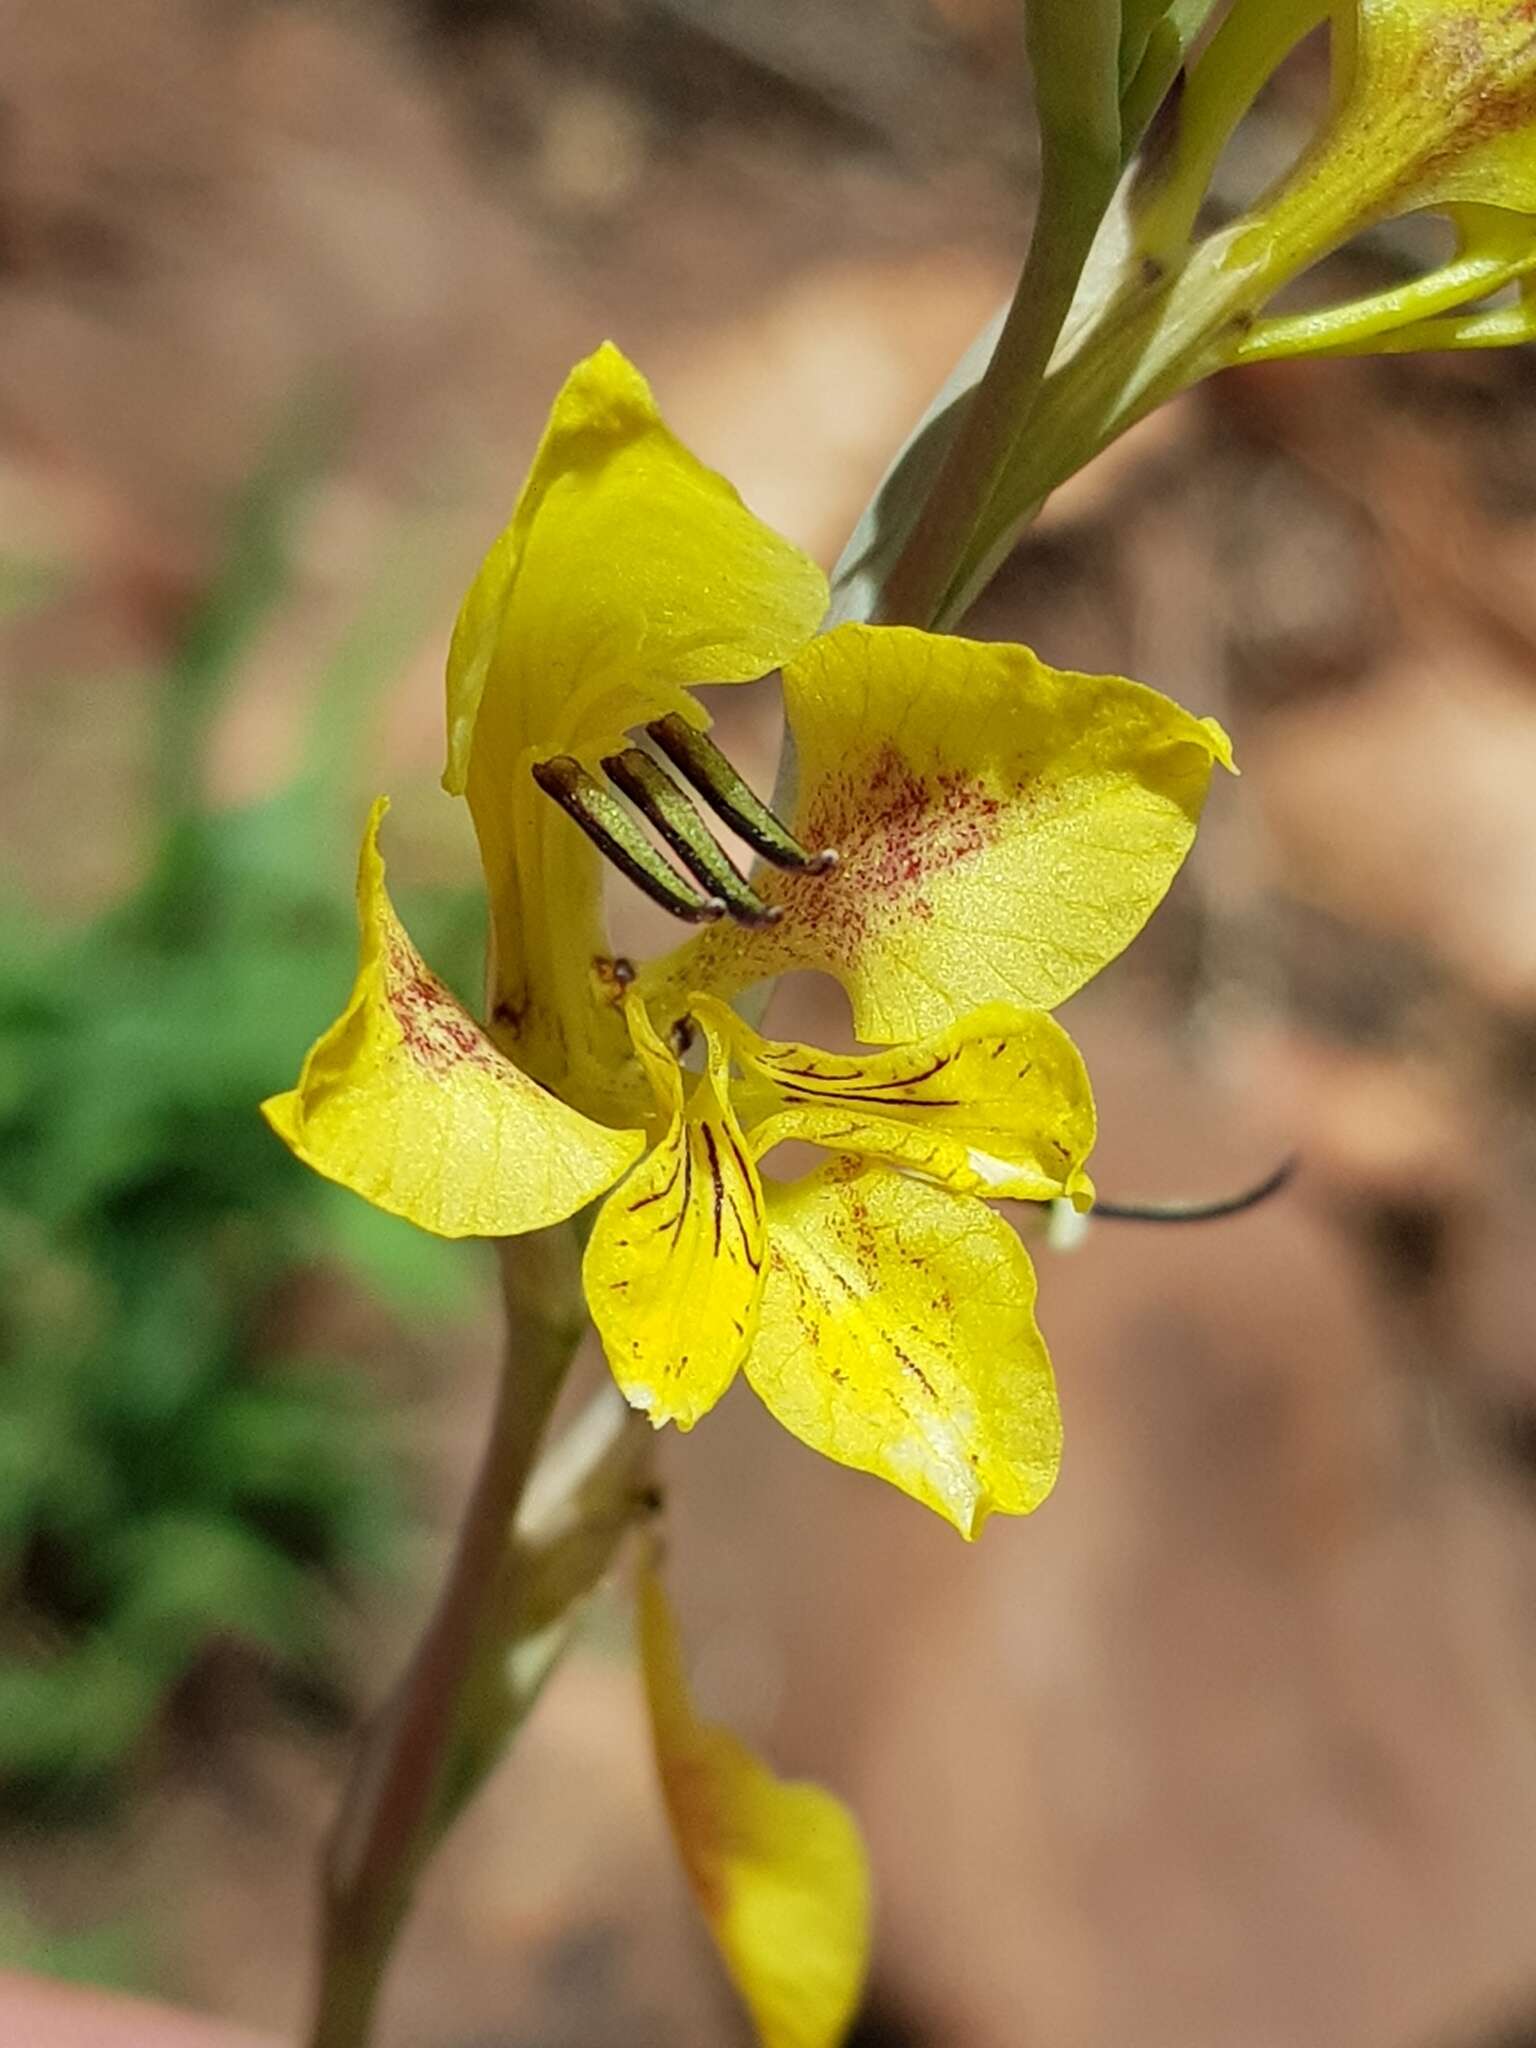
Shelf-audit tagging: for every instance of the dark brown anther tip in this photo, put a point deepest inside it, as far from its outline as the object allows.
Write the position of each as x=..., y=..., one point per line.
x=827, y=862
x=559, y=775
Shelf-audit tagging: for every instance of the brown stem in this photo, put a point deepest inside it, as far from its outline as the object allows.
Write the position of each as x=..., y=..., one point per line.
x=385, y=1832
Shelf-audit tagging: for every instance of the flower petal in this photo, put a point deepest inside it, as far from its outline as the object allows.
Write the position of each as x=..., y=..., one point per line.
x=1004, y=828
x=628, y=572
x=1438, y=99
x=898, y=1336
x=407, y=1102
x=778, y=1868
x=674, y=1266
x=997, y=1104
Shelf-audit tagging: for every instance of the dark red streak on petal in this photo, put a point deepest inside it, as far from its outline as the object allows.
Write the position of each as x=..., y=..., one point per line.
x=850, y=1070
x=676, y=1225
x=741, y=1162
x=879, y=1101
x=908, y=1362
x=656, y=1196
x=719, y=1180
x=753, y=1259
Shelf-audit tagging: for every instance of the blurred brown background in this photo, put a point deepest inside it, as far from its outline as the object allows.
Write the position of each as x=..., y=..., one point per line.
x=1234, y=1744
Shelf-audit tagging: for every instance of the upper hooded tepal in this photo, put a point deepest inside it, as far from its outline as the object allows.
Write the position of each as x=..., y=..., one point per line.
x=1434, y=105
x=1003, y=830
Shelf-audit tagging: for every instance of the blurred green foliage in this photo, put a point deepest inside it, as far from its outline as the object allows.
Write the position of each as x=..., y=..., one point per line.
x=176, y=1481
x=115, y=1955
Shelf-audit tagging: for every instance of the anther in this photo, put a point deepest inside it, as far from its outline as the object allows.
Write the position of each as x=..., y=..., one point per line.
x=654, y=794
x=712, y=775
x=616, y=835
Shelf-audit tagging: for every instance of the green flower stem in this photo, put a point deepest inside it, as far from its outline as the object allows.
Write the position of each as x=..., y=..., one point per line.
x=1078, y=169
x=1163, y=332
x=1501, y=327
x=388, y=1823
x=1242, y=55
x=914, y=591
x=1161, y=336
x=1362, y=324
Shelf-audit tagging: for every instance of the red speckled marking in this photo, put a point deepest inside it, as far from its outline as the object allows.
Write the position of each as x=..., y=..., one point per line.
x=893, y=830
x=436, y=1031
x=1482, y=100
x=861, y=1239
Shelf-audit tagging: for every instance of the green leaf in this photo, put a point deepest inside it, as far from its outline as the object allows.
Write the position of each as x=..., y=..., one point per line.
x=176, y=1494
x=53, y=1481
x=1074, y=56
x=1253, y=40
x=1150, y=299
x=887, y=520
x=1138, y=19
x=71, y=1721
x=302, y=1456
x=110, y=1954
x=187, y=1578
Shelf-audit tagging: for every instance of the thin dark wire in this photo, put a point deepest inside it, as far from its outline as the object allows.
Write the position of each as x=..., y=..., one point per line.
x=1199, y=1212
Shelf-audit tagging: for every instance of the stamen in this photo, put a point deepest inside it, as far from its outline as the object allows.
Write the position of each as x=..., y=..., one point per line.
x=712, y=775
x=657, y=797
x=1198, y=1212
x=616, y=835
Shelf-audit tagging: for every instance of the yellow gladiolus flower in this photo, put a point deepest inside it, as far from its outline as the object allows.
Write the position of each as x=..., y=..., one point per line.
x=882, y=1312
x=1001, y=830
x=778, y=1869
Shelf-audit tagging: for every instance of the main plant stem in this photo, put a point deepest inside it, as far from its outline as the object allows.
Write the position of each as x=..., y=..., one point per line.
x=386, y=1828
